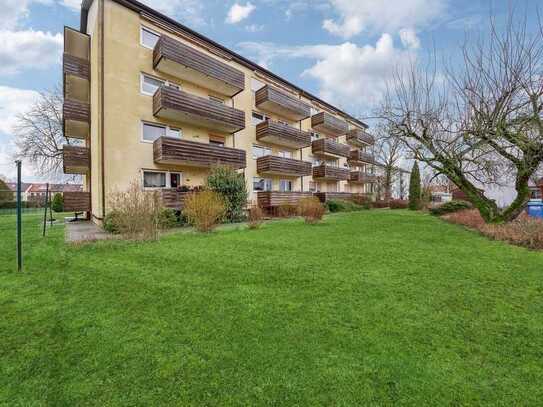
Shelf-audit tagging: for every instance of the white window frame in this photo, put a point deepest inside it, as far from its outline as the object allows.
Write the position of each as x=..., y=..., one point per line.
x=167, y=175
x=164, y=83
x=284, y=154
x=288, y=181
x=169, y=129
x=264, y=118
x=267, y=182
x=262, y=147
x=145, y=28
x=315, y=136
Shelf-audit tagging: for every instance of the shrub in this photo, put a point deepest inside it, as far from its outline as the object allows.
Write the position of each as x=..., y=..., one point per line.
x=468, y=217
x=287, y=211
x=343, y=206
x=450, y=207
x=255, y=217
x=58, y=203
x=204, y=210
x=414, y=188
x=311, y=209
x=381, y=204
x=231, y=185
x=136, y=213
x=111, y=222
x=398, y=204
x=364, y=201
x=168, y=218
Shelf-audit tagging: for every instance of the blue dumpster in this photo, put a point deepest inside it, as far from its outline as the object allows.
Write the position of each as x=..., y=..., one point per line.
x=535, y=209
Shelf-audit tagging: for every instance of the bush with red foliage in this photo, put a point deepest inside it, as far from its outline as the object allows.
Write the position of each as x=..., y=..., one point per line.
x=398, y=204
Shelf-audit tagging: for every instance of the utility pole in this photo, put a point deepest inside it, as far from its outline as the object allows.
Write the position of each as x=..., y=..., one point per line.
x=19, y=218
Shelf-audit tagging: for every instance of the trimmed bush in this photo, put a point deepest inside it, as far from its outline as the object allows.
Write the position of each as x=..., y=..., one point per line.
x=415, y=195
x=311, y=209
x=450, y=207
x=231, y=185
x=58, y=203
x=204, y=210
x=343, y=206
x=255, y=217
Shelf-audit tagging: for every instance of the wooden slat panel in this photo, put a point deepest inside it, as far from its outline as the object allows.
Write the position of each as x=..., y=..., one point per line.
x=75, y=110
x=208, y=70
x=359, y=138
x=282, y=166
x=361, y=177
x=72, y=65
x=183, y=152
x=330, y=148
x=275, y=101
x=324, y=122
x=359, y=157
x=76, y=160
x=178, y=105
x=278, y=133
x=173, y=199
x=327, y=196
x=325, y=172
x=77, y=201
x=268, y=199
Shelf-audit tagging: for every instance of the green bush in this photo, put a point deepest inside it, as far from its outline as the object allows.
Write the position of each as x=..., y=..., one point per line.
x=343, y=206
x=58, y=203
x=415, y=194
x=231, y=185
x=450, y=207
x=167, y=219
x=111, y=222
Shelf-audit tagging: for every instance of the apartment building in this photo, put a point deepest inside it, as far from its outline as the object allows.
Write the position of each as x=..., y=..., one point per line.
x=152, y=100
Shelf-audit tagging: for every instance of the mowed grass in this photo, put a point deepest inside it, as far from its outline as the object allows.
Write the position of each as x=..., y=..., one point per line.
x=377, y=307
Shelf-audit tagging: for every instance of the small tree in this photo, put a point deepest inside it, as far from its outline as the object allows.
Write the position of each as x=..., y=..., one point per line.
x=5, y=192
x=414, y=188
x=58, y=203
x=231, y=185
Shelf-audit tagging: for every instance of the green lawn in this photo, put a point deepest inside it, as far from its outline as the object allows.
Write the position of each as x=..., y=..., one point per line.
x=377, y=307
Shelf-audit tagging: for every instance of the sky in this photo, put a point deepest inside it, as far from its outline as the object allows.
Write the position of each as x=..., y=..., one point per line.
x=340, y=50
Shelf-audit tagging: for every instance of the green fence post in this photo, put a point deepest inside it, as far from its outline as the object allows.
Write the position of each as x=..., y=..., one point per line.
x=19, y=219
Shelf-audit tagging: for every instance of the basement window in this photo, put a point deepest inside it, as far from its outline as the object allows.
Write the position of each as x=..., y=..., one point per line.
x=148, y=38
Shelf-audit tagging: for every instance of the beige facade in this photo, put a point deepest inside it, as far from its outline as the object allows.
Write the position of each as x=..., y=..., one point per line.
x=121, y=105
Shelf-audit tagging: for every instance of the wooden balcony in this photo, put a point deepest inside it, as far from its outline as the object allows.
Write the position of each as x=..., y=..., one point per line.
x=274, y=132
x=335, y=196
x=76, y=119
x=173, y=199
x=76, y=65
x=361, y=177
x=180, y=60
x=359, y=138
x=327, y=173
x=273, y=100
x=326, y=123
x=174, y=151
x=359, y=157
x=176, y=105
x=329, y=148
x=76, y=160
x=272, y=165
x=77, y=201
x=270, y=199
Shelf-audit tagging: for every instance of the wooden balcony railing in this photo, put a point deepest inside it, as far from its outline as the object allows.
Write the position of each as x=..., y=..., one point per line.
x=270, y=199
x=76, y=160
x=329, y=148
x=361, y=177
x=177, y=59
x=174, y=104
x=72, y=65
x=328, y=196
x=273, y=100
x=328, y=173
x=174, y=151
x=76, y=119
x=77, y=201
x=76, y=65
x=359, y=138
x=274, y=132
x=173, y=199
x=326, y=123
x=272, y=165
x=359, y=157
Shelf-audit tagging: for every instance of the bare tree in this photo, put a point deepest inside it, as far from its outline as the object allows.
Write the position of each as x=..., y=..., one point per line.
x=388, y=152
x=480, y=123
x=39, y=134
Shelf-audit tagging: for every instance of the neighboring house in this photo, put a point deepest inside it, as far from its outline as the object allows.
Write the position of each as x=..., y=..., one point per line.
x=536, y=190
x=157, y=102
x=36, y=191
x=24, y=189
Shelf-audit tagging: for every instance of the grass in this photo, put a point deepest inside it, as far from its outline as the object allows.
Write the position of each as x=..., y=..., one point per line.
x=374, y=307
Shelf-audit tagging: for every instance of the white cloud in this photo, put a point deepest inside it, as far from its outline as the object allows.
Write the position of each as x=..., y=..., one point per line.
x=187, y=11
x=348, y=75
x=238, y=13
x=409, y=38
x=75, y=5
x=29, y=50
x=253, y=28
x=356, y=16
x=13, y=11
x=14, y=101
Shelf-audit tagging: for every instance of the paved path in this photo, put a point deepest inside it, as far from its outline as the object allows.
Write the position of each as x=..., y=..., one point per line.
x=84, y=231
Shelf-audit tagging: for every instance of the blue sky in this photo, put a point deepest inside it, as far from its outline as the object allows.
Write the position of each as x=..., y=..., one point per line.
x=341, y=50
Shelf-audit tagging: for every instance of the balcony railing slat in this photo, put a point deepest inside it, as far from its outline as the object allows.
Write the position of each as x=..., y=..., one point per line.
x=327, y=147
x=270, y=199
x=359, y=157
x=72, y=65
x=75, y=110
x=327, y=196
x=326, y=123
x=76, y=160
x=275, y=101
x=282, y=166
x=359, y=138
x=362, y=177
x=278, y=133
x=77, y=201
x=184, y=152
x=326, y=172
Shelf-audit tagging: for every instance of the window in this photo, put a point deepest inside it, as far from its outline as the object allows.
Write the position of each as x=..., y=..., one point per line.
x=316, y=162
x=285, y=185
x=332, y=187
x=333, y=163
x=259, y=151
x=314, y=111
x=256, y=84
x=285, y=154
x=150, y=132
x=315, y=136
x=148, y=38
x=262, y=184
x=312, y=186
x=258, y=118
x=216, y=100
x=216, y=142
x=153, y=179
x=149, y=84
x=175, y=179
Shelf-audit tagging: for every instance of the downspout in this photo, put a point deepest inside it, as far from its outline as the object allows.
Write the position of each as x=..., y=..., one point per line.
x=102, y=108
x=301, y=159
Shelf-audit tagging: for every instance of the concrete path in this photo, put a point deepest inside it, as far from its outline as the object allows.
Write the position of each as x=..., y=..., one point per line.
x=84, y=231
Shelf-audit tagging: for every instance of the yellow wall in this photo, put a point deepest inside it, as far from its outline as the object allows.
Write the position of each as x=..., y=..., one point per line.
x=125, y=108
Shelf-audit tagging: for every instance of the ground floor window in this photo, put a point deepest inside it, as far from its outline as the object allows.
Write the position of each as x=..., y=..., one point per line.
x=262, y=184
x=161, y=179
x=285, y=185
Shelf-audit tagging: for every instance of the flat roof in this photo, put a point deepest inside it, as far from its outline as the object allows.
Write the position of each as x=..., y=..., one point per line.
x=139, y=7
